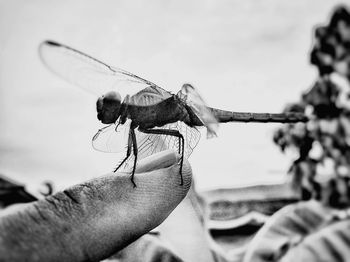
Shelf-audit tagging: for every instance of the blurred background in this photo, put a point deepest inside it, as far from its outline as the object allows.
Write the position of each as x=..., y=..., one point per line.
x=240, y=55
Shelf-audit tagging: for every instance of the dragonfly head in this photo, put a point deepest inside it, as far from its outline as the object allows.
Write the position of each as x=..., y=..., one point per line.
x=108, y=107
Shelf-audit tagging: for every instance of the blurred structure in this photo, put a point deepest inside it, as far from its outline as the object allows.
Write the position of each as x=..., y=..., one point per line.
x=12, y=193
x=232, y=217
x=322, y=168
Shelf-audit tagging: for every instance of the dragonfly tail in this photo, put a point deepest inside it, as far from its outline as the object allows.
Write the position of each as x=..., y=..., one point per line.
x=227, y=116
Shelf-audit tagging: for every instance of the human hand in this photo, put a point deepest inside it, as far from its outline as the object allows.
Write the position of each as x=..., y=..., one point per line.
x=93, y=220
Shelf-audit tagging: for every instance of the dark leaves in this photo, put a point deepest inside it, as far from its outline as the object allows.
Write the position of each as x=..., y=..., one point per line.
x=321, y=167
x=332, y=43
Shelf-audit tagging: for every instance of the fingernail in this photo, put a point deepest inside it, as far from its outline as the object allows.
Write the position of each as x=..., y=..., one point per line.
x=159, y=160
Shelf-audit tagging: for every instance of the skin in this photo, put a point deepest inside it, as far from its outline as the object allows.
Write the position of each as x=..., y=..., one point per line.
x=93, y=220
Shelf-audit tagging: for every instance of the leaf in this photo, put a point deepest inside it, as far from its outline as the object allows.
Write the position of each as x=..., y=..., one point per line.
x=331, y=243
x=306, y=231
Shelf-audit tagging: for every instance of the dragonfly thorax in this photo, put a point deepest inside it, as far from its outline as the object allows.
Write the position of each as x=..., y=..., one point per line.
x=108, y=107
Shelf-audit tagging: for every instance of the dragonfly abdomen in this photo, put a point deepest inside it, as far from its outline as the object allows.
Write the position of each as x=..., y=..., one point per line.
x=227, y=116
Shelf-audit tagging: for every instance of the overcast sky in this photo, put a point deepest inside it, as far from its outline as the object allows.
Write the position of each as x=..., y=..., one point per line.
x=241, y=55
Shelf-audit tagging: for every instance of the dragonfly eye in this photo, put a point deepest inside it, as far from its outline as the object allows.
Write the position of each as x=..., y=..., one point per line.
x=99, y=104
x=112, y=96
x=108, y=107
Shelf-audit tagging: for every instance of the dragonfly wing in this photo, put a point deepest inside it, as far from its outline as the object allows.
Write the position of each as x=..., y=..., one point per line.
x=148, y=96
x=149, y=144
x=112, y=138
x=91, y=74
x=192, y=98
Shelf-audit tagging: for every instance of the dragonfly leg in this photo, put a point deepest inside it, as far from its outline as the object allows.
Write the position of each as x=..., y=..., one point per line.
x=128, y=152
x=180, y=145
x=135, y=150
x=182, y=157
x=170, y=132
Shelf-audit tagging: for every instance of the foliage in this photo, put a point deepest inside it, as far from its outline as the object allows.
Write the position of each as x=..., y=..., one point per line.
x=321, y=169
x=306, y=231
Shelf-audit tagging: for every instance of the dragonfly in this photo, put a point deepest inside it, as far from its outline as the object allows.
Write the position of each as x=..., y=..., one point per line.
x=142, y=118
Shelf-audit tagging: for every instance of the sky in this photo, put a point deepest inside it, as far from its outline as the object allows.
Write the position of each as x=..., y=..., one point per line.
x=241, y=55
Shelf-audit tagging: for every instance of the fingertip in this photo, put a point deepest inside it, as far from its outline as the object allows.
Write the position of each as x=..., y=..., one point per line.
x=160, y=160
x=163, y=170
x=120, y=212
x=176, y=172
x=161, y=190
